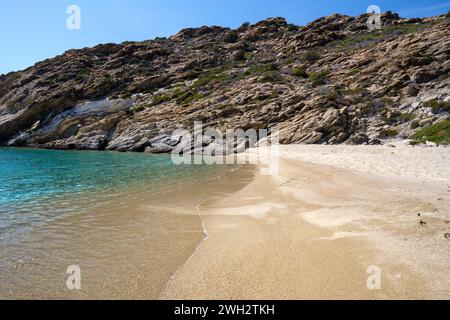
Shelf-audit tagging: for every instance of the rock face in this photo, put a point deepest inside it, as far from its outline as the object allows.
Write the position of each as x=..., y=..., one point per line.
x=332, y=81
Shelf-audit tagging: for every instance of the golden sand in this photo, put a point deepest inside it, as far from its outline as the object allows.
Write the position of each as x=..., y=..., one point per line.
x=314, y=231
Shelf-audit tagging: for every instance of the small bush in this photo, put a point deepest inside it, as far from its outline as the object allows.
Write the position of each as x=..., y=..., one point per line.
x=311, y=56
x=414, y=124
x=209, y=78
x=271, y=76
x=231, y=37
x=437, y=106
x=126, y=95
x=328, y=105
x=392, y=116
x=79, y=78
x=186, y=97
x=138, y=108
x=354, y=71
x=387, y=133
x=292, y=27
x=448, y=14
x=289, y=51
x=244, y=26
x=406, y=117
x=318, y=78
x=300, y=72
x=158, y=99
x=260, y=69
x=437, y=133
x=82, y=74
x=388, y=101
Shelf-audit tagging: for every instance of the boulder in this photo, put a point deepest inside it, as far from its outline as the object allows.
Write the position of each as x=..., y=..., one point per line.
x=159, y=148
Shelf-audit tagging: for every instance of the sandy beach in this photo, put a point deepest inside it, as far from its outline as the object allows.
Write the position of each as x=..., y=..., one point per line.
x=312, y=230
x=329, y=216
x=128, y=247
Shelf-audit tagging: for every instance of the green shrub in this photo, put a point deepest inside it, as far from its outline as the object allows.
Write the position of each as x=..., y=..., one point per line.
x=328, y=105
x=388, y=101
x=448, y=14
x=126, y=95
x=406, y=117
x=311, y=56
x=260, y=69
x=158, y=99
x=271, y=76
x=438, y=133
x=300, y=72
x=231, y=37
x=388, y=116
x=354, y=71
x=437, y=106
x=186, y=97
x=318, y=78
x=414, y=124
x=392, y=116
x=244, y=26
x=79, y=78
x=289, y=51
x=81, y=74
x=138, y=108
x=208, y=78
x=293, y=27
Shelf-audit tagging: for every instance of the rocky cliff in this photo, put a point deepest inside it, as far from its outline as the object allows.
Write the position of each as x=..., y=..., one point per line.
x=333, y=81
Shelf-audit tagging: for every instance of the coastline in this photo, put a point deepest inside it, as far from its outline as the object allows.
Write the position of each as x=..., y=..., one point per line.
x=127, y=247
x=314, y=230
x=311, y=231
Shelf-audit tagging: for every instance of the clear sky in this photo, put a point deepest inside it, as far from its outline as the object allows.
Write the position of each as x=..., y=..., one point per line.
x=32, y=30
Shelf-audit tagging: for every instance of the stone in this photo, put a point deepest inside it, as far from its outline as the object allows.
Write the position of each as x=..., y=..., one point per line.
x=159, y=148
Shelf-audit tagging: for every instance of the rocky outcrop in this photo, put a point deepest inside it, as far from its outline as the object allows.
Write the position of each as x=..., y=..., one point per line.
x=330, y=82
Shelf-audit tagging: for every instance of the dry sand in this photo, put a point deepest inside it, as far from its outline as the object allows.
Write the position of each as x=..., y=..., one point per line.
x=313, y=229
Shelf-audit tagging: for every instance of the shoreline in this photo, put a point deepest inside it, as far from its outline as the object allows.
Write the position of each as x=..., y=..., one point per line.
x=309, y=232
x=127, y=248
x=314, y=230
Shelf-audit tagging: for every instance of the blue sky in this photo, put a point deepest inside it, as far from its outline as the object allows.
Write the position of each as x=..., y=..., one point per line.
x=35, y=30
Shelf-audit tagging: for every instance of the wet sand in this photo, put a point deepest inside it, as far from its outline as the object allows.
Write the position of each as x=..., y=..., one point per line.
x=314, y=229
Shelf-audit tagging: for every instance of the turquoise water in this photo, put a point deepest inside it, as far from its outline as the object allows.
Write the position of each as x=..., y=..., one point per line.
x=37, y=186
x=129, y=220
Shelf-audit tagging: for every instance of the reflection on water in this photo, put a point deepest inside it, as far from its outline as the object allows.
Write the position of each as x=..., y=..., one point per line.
x=128, y=220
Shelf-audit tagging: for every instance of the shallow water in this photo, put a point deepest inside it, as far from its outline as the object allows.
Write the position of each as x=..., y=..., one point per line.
x=37, y=186
x=128, y=220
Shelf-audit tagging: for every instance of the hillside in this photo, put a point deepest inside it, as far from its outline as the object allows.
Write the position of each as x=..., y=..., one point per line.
x=331, y=81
